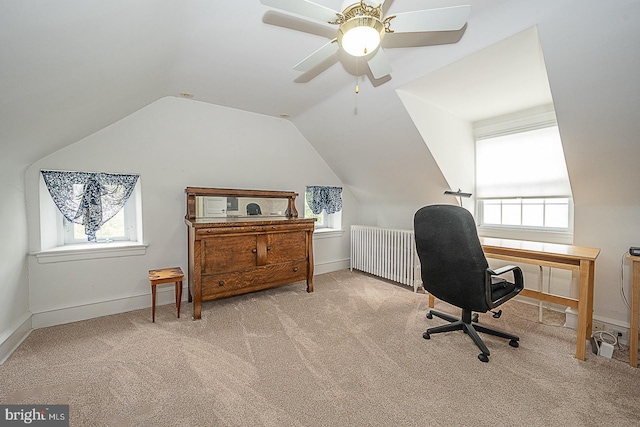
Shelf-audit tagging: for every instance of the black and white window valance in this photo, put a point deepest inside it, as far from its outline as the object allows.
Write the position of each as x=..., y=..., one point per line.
x=321, y=198
x=87, y=198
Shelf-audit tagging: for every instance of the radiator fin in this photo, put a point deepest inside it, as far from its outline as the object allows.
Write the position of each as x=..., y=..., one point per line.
x=383, y=252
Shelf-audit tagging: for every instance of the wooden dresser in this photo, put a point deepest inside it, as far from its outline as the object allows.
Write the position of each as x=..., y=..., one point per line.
x=236, y=254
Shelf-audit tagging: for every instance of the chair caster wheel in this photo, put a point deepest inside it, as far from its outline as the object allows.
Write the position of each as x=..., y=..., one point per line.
x=426, y=336
x=483, y=357
x=514, y=343
x=429, y=315
x=474, y=318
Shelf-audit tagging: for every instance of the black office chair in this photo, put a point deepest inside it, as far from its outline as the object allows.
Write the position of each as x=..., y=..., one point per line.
x=254, y=209
x=455, y=270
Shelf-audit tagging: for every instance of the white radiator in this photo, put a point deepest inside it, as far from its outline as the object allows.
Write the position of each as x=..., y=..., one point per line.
x=387, y=253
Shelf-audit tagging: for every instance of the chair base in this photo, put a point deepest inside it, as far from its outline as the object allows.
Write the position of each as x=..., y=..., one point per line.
x=470, y=328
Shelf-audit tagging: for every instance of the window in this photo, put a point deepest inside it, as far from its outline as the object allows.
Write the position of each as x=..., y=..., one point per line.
x=94, y=207
x=324, y=204
x=549, y=213
x=321, y=218
x=61, y=242
x=121, y=227
x=522, y=181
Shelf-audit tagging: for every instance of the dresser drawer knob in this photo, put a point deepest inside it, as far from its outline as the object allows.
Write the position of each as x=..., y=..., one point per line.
x=221, y=283
x=268, y=248
x=295, y=269
x=254, y=250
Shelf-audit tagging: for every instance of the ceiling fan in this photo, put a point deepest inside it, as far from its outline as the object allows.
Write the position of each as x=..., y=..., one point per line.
x=361, y=28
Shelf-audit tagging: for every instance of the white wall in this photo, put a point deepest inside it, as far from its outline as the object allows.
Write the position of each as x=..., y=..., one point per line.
x=590, y=51
x=613, y=229
x=450, y=140
x=172, y=143
x=14, y=287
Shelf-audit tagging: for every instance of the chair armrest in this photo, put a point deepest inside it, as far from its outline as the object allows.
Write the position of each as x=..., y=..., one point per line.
x=501, y=270
x=518, y=284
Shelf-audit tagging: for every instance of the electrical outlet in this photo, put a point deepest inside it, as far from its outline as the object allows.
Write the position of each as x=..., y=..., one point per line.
x=621, y=334
x=597, y=326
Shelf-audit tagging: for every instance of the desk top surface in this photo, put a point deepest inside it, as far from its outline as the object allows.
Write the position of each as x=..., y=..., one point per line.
x=543, y=248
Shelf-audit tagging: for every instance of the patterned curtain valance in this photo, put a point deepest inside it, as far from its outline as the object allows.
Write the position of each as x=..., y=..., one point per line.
x=87, y=198
x=327, y=198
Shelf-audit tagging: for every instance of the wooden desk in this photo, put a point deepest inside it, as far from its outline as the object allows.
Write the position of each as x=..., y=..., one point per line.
x=635, y=308
x=567, y=257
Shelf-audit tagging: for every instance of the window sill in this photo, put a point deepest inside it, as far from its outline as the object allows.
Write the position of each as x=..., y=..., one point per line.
x=326, y=233
x=563, y=237
x=90, y=251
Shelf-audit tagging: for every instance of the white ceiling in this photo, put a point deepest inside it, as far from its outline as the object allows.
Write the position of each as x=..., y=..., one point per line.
x=71, y=67
x=506, y=77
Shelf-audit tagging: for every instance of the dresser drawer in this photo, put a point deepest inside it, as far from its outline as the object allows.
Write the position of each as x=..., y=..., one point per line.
x=239, y=282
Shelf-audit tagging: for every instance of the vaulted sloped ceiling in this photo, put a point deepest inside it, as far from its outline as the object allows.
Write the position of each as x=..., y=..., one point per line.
x=71, y=67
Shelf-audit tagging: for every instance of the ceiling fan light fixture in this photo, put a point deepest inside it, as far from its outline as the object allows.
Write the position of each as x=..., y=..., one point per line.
x=361, y=35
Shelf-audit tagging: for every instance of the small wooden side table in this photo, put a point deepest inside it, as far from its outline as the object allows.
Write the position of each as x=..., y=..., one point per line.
x=165, y=275
x=635, y=309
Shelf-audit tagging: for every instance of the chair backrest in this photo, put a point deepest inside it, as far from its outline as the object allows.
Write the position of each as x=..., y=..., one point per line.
x=254, y=209
x=453, y=264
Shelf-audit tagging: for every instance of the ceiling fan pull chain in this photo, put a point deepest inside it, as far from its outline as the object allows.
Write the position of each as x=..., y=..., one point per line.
x=357, y=87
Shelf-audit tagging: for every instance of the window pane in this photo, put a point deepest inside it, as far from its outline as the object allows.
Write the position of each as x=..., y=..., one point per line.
x=112, y=229
x=321, y=218
x=533, y=214
x=511, y=214
x=491, y=213
x=557, y=216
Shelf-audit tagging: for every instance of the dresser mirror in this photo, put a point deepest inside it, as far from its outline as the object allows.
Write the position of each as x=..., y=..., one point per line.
x=218, y=203
x=220, y=206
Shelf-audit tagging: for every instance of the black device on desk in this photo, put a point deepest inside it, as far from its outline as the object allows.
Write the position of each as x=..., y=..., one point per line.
x=634, y=250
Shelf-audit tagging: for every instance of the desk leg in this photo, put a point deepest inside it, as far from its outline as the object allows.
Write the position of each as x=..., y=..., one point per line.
x=432, y=301
x=585, y=307
x=635, y=306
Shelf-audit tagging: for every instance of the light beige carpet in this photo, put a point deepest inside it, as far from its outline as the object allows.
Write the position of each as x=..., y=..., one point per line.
x=349, y=354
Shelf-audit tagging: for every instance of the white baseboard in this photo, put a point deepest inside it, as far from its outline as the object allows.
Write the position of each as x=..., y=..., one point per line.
x=13, y=337
x=62, y=315
x=165, y=295
x=328, y=267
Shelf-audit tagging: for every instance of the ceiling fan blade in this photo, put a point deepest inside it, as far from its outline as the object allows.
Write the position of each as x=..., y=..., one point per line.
x=379, y=64
x=292, y=22
x=443, y=19
x=318, y=56
x=304, y=8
